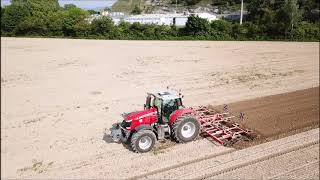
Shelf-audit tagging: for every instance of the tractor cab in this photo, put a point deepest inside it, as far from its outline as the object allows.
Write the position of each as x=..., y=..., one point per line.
x=166, y=102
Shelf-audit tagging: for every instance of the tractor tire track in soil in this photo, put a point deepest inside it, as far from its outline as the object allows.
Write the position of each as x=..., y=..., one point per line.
x=182, y=164
x=308, y=166
x=286, y=114
x=225, y=163
x=260, y=159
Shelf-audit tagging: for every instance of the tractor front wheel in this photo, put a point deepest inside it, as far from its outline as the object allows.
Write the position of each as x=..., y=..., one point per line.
x=143, y=141
x=185, y=128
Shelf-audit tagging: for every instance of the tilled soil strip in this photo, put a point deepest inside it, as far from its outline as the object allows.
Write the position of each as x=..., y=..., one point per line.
x=277, y=116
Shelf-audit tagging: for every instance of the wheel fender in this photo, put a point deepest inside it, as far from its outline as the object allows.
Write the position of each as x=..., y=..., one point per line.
x=144, y=126
x=178, y=113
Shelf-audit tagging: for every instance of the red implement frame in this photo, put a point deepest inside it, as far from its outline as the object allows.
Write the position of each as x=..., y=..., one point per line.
x=219, y=127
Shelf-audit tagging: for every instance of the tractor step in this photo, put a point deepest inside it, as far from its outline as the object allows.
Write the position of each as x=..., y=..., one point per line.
x=218, y=126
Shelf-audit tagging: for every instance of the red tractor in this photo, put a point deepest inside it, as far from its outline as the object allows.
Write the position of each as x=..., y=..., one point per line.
x=163, y=116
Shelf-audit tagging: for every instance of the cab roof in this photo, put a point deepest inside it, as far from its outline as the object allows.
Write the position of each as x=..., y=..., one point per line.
x=166, y=95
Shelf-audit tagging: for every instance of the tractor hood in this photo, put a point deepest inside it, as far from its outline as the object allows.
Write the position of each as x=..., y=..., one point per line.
x=139, y=114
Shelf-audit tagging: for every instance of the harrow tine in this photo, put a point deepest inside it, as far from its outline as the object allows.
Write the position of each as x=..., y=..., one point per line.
x=227, y=118
x=225, y=108
x=241, y=116
x=226, y=113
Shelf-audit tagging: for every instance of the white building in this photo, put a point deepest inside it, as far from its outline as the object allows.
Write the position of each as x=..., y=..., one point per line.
x=209, y=17
x=104, y=13
x=163, y=19
x=178, y=19
x=159, y=19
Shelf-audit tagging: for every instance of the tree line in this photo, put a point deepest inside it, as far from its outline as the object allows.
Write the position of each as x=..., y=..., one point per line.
x=296, y=20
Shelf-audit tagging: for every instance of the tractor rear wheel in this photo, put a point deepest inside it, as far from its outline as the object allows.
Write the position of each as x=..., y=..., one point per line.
x=185, y=128
x=143, y=141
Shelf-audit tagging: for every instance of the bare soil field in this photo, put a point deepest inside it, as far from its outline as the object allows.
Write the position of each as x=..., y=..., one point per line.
x=302, y=163
x=271, y=160
x=278, y=115
x=59, y=95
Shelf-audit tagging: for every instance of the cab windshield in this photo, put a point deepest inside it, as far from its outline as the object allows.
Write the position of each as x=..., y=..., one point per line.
x=153, y=101
x=157, y=103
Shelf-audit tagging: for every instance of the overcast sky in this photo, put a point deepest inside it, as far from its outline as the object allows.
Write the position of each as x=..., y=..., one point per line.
x=85, y=4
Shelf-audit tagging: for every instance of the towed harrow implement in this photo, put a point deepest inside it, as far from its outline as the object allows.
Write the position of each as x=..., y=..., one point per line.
x=218, y=126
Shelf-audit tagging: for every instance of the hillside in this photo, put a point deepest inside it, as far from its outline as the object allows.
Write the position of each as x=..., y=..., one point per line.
x=162, y=6
x=125, y=5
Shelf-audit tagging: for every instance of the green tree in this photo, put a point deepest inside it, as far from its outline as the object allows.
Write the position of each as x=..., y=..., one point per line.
x=33, y=25
x=310, y=10
x=253, y=31
x=260, y=8
x=220, y=2
x=39, y=19
x=192, y=2
x=12, y=16
x=136, y=30
x=197, y=26
x=136, y=10
x=93, y=11
x=289, y=16
x=162, y=32
x=149, y=30
x=186, y=2
x=72, y=17
x=2, y=11
x=257, y=9
x=221, y=26
x=37, y=7
x=55, y=23
x=69, y=6
x=122, y=30
x=103, y=26
x=221, y=30
x=239, y=32
x=311, y=31
x=82, y=29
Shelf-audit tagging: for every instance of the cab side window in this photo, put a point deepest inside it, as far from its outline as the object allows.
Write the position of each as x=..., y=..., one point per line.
x=169, y=107
x=148, y=102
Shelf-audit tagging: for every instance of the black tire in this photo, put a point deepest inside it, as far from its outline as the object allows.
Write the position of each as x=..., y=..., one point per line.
x=139, y=137
x=179, y=124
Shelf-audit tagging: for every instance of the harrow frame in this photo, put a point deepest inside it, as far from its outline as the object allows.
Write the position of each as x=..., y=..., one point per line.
x=218, y=126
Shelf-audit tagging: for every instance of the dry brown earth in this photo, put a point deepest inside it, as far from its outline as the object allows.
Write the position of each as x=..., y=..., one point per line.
x=269, y=160
x=278, y=115
x=58, y=96
x=300, y=164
